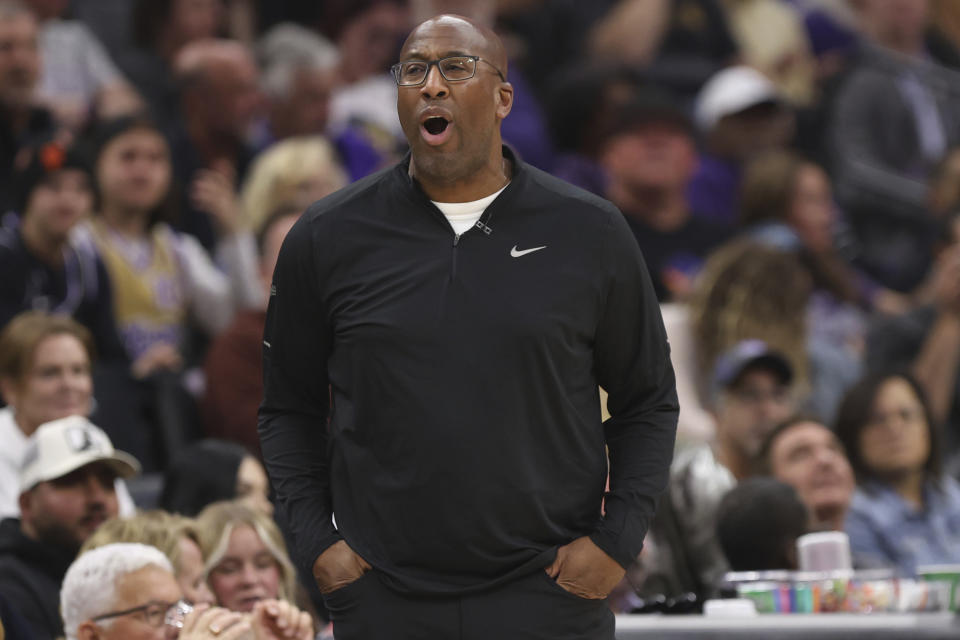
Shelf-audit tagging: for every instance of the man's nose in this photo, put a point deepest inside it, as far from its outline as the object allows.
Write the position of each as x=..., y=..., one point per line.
x=434, y=85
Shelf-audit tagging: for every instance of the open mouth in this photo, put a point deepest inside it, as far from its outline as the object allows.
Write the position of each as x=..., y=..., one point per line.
x=435, y=125
x=436, y=130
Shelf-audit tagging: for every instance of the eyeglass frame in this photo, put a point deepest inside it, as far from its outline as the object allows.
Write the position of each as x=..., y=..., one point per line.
x=395, y=69
x=173, y=614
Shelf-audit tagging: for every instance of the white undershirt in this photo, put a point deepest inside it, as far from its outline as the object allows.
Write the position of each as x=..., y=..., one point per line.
x=463, y=215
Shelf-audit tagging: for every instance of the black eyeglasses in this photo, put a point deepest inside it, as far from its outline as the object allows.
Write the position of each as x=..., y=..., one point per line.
x=155, y=613
x=452, y=68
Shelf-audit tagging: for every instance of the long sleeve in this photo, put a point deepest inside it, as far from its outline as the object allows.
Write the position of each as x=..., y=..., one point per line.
x=237, y=255
x=293, y=417
x=211, y=294
x=632, y=358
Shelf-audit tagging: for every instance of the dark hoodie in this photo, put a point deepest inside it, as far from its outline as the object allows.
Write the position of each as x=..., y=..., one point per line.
x=30, y=577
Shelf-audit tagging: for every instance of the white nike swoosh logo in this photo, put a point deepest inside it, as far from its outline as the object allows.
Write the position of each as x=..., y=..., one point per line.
x=516, y=253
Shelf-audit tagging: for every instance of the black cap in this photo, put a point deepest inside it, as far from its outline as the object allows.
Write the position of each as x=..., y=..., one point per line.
x=750, y=354
x=36, y=163
x=648, y=105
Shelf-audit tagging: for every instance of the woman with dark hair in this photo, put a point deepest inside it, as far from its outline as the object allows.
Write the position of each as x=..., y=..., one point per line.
x=213, y=470
x=160, y=278
x=905, y=511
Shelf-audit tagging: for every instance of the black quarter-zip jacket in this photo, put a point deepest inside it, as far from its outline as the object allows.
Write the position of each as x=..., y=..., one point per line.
x=438, y=393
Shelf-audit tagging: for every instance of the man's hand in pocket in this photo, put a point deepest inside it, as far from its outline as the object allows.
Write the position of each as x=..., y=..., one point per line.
x=338, y=566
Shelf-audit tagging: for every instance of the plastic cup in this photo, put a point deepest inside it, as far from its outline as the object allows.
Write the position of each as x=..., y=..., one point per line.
x=949, y=573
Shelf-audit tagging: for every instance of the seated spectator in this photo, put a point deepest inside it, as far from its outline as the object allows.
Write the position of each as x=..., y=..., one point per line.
x=211, y=471
x=905, y=511
x=758, y=523
x=739, y=113
x=810, y=458
x=649, y=156
x=175, y=536
x=21, y=119
x=126, y=591
x=79, y=80
x=67, y=491
x=44, y=269
x=753, y=393
x=893, y=120
x=293, y=173
x=300, y=73
x=234, y=362
x=246, y=557
x=209, y=148
x=162, y=278
x=45, y=375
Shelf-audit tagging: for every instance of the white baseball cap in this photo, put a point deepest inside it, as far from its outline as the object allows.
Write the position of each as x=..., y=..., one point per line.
x=56, y=448
x=731, y=91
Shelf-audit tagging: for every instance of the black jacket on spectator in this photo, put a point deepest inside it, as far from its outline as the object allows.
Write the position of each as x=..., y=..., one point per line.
x=30, y=578
x=79, y=288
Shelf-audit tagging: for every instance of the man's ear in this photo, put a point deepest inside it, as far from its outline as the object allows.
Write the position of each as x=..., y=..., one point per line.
x=504, y=99
x=25, y=502
x=88, y=631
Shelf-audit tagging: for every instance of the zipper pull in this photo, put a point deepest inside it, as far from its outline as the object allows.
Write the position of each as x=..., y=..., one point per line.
x=456, y=239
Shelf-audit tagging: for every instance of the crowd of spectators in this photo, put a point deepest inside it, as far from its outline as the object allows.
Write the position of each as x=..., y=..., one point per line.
x=790, y=169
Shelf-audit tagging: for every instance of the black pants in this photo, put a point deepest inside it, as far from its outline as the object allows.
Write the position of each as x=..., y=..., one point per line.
x=530, y=608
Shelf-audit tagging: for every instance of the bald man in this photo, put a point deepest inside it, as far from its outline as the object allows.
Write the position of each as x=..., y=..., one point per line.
x=435, y=338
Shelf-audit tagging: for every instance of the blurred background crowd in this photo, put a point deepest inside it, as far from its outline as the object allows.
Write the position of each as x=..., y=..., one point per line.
x=790, y=168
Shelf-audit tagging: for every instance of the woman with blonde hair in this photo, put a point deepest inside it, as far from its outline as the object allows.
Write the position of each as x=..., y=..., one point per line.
x=174, y=535
x=246, y=558
x=752, y=291
x=292, y=173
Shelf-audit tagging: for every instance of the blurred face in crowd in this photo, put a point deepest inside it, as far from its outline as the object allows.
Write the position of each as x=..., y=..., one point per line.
x=253, y=488
x=811, y=210
x=228, y=100
x=655, y=155
x=452, y=126
x=56, y=384
x=810, y=458
x=743, y=135
x=305, y=110
x=65, y=511
x=190, y=573
x=896, y=439
x=134, y=170
x=150, y=585
x=19, y=60
x=247, y=573
x=196, y=19
x=57, y=204
x=750, y=408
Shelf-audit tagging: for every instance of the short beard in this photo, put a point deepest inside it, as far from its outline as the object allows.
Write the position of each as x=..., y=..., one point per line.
x=54, y=534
